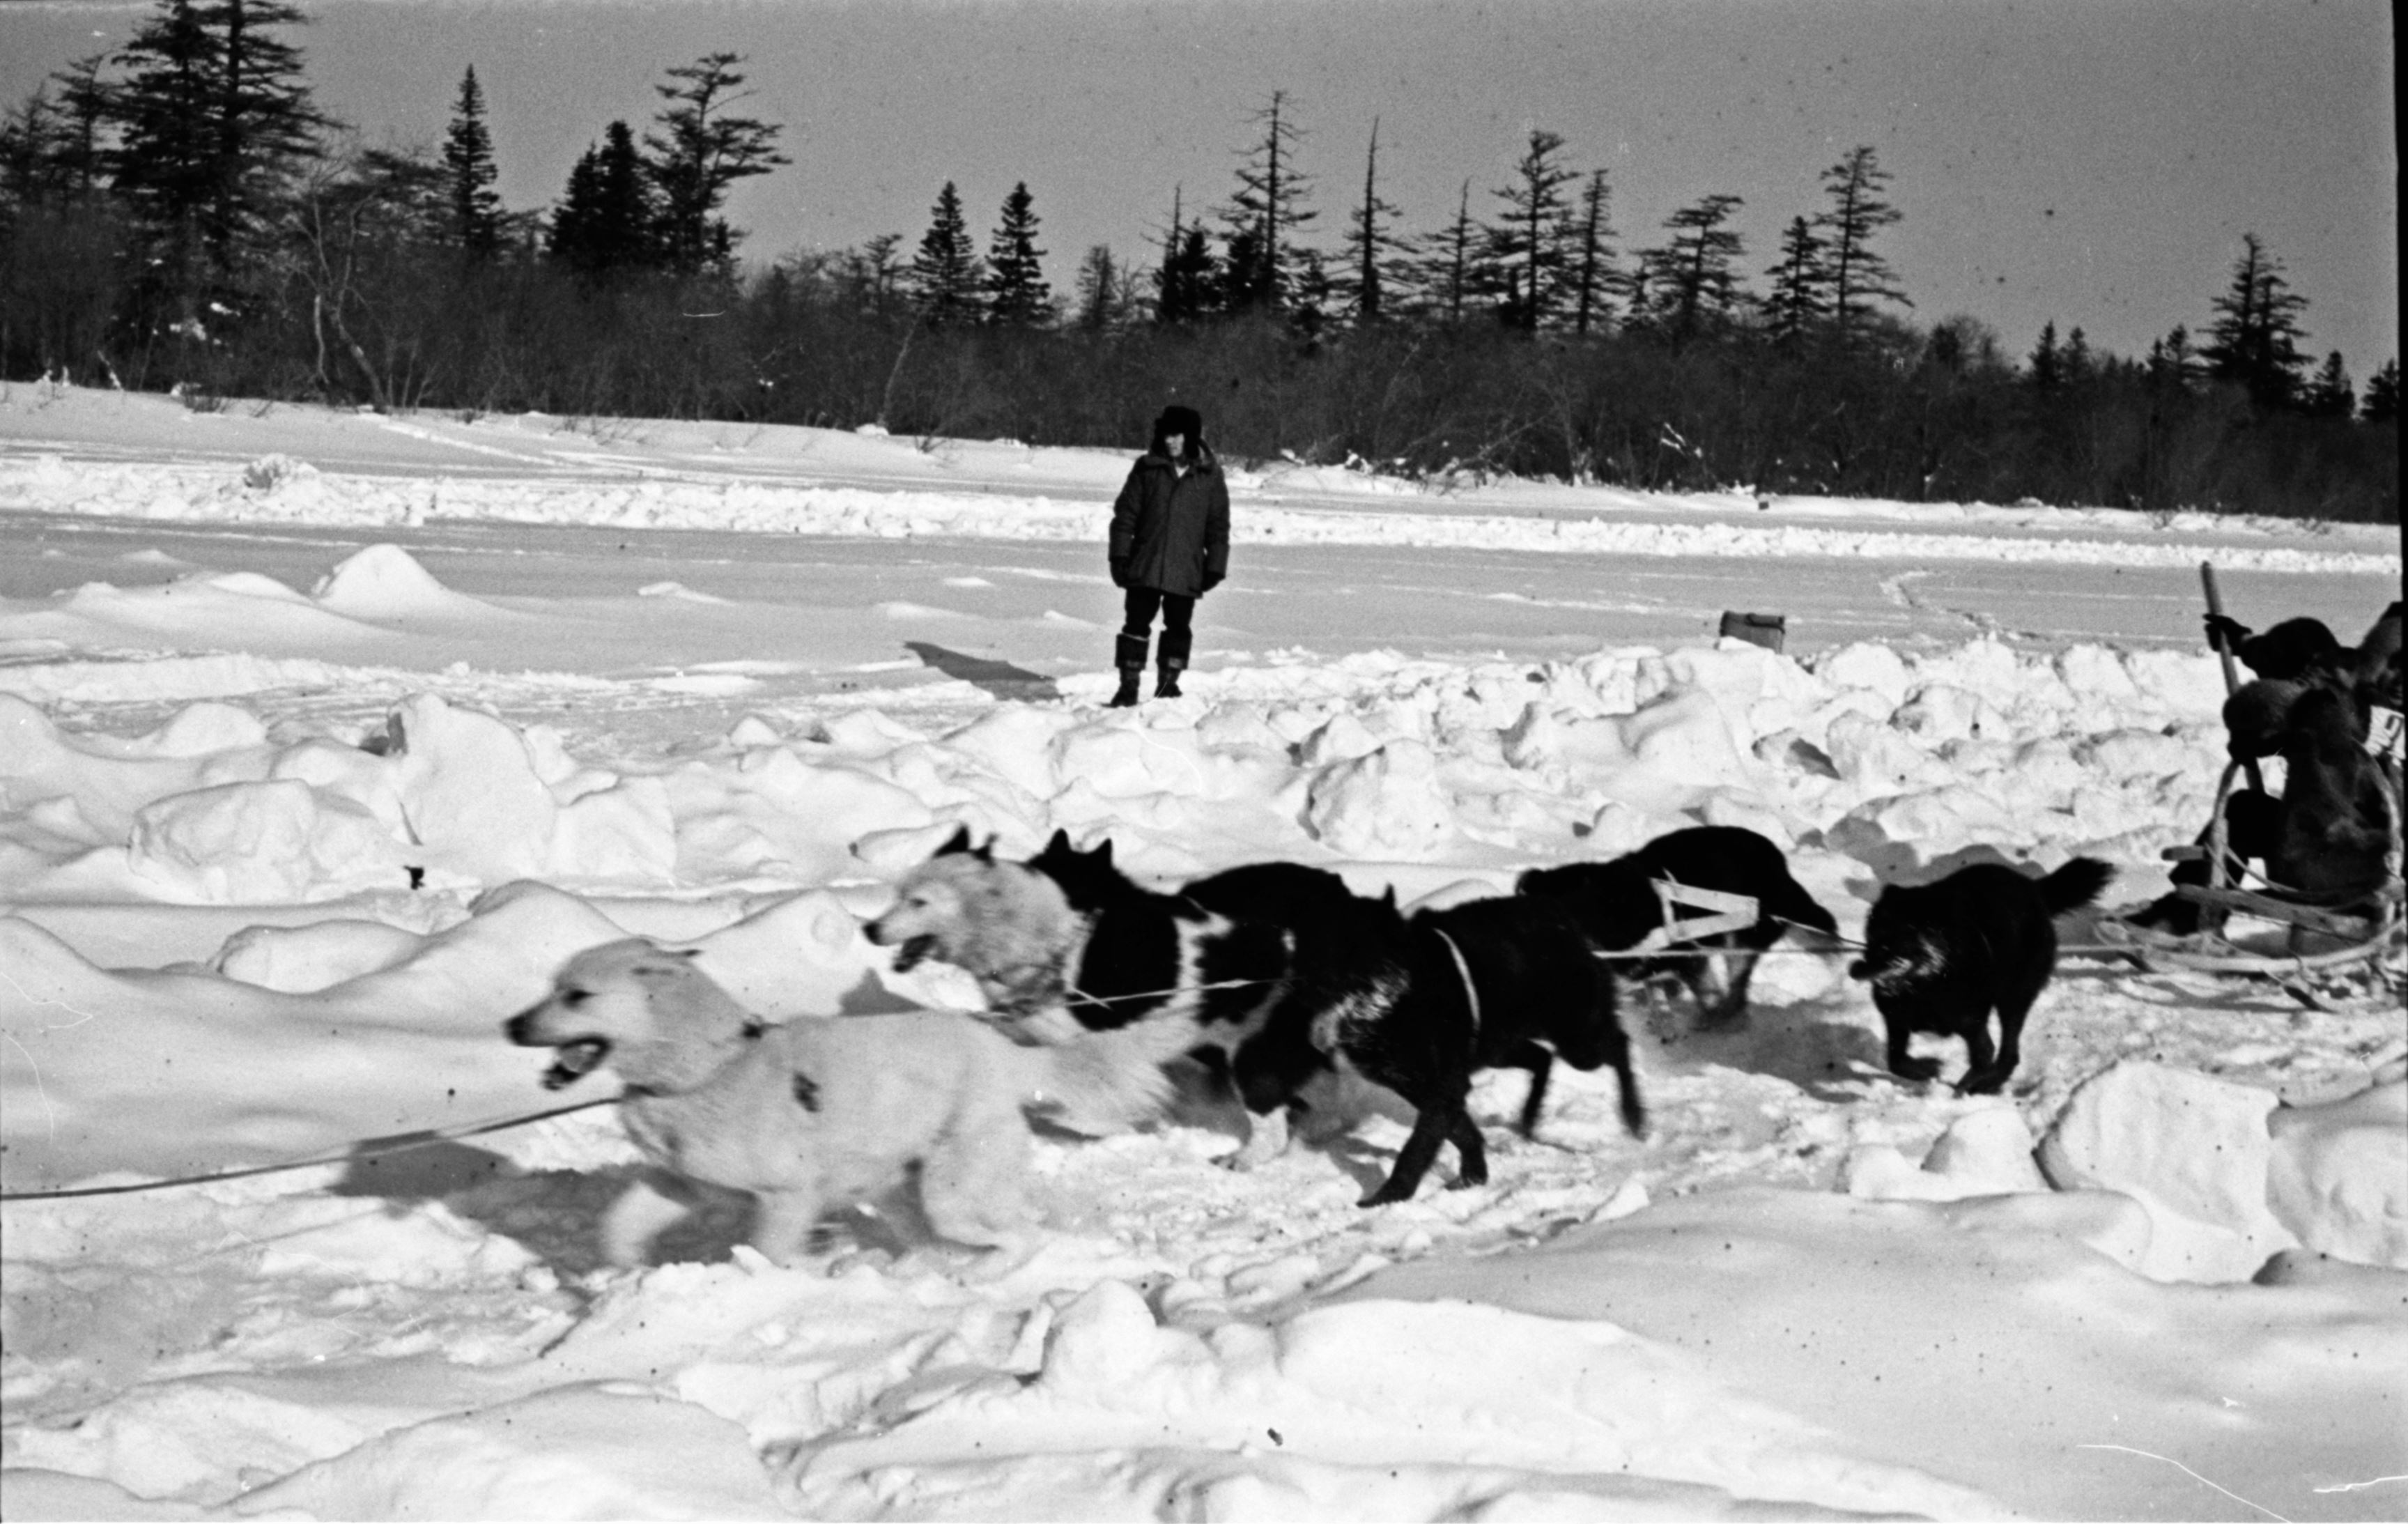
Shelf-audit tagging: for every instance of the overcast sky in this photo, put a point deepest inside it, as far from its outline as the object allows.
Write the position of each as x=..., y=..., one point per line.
x=2093, y=162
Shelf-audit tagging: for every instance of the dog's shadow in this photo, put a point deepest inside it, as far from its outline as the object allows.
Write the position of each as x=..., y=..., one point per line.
x=1822, y=1046
x=552, y=1214
x=999, y=678
x=556, y=1215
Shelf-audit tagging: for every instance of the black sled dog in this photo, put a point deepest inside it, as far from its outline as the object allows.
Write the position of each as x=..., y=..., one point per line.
x=1940, y=957
x=1616, y=905
x=1420, y=1005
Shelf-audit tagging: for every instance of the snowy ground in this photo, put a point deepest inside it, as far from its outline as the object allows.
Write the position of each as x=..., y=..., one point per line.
x=722, y=684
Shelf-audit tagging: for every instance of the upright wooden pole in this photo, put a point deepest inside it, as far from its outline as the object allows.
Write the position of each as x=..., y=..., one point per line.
x=2216, y=606
x=2231, y=686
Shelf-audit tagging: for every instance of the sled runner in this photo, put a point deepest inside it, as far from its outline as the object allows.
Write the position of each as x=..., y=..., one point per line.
x=2318, y=938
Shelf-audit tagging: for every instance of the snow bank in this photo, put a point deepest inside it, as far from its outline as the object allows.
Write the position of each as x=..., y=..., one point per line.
x=365, y=1025
x=1367, y=1410
x=801, y=505
x=1892, y=760
x=2014, y=1338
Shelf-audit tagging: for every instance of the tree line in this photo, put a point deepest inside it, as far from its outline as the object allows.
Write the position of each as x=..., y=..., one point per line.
x=179, y=212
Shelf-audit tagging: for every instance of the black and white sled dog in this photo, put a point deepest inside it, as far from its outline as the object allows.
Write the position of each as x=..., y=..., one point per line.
x=1940, y=957
x=1419, y=1004
x=920, y=1112
x=1070, y=952
x=1616, y=904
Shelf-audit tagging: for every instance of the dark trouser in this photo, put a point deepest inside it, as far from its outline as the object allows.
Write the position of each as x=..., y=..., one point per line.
x=1178, y=635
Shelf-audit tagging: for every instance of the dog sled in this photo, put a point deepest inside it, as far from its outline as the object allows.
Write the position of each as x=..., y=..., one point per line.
x=2282, y=934
x=2268, y=931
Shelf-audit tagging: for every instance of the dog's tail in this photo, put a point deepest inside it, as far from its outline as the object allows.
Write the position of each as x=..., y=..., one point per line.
x=2076, y=884
x=1095, y=1084
x=1789, y=902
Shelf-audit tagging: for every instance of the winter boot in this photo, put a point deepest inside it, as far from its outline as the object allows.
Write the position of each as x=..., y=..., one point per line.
x=1128, y=655
x=1175, y=647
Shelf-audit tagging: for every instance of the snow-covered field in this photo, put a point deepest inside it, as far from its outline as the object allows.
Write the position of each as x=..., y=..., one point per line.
x=722, y=685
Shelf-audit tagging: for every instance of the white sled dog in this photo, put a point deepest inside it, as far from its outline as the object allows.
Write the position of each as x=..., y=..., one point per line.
x=806, y=1116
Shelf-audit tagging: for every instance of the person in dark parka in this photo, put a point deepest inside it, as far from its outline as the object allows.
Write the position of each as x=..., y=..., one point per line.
x=1170, y=547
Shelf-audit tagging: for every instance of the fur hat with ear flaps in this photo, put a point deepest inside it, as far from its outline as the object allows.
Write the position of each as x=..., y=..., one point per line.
x=1184, y=420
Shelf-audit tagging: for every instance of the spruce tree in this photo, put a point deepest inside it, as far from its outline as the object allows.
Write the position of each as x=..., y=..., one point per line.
x=1017, y=294
x=1697, y=266
x=700, y=150
x=1592, y=270
x=1187, y=283
x=1645, y=293
x=2331, y=394
x=2075, y=362
x=1525, y=247
x=2046, y=369
x=872, y=274
x=2172, y=366
x=1245, y=272
x=84, y=122
x=469, y=171
x=1859, y=276
x=945, y=272
x=29, y=154
x=2381, y=404
x=2255, y=339
x=1371, y=251
x=1797, y=304
x=1266, y=214
x=50, y=149
x=605, y=222
x=1450, y=268
x=213, y=126
x=1106, y=299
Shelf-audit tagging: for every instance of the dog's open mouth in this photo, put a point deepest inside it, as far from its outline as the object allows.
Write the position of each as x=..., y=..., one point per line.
x=915, y=951
x=573, y=1061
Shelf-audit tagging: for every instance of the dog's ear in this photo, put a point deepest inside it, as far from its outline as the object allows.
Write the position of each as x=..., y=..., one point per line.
x=958, y=841
x=1103, y=854
x=985, y=851
x=1058, y=844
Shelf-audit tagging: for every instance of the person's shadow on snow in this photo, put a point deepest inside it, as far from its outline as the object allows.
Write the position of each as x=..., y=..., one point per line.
x=1000, y=678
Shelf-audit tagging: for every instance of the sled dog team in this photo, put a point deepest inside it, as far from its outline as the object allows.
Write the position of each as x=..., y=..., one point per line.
x=1105, y=996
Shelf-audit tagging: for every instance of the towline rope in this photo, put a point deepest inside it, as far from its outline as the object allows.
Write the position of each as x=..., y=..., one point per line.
x=356, y=1151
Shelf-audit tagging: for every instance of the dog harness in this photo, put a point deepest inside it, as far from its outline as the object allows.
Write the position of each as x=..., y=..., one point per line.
x=1471, y=990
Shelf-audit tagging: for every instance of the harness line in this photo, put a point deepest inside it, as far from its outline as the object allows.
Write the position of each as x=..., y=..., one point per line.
x=1463, y=969
x=355, y=1152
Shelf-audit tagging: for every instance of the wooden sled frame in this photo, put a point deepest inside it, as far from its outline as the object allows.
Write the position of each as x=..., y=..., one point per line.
x=1730, y=913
